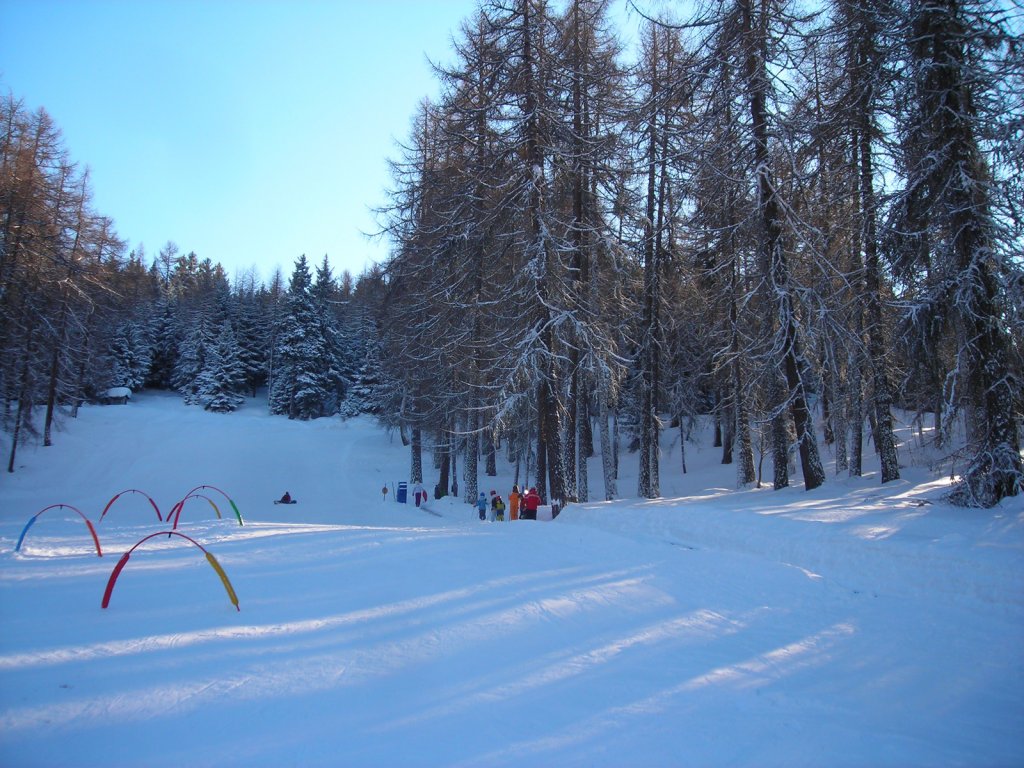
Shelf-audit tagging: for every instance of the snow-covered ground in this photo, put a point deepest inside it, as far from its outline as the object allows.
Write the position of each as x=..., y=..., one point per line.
x=853, y=625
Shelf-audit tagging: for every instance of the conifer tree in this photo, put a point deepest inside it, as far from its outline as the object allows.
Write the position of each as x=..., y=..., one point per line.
x=223, y=375
x=324, y=293
x=300, y=389
x=131, y=357
x=192, y=361
x=250, y=333
x=164, y=333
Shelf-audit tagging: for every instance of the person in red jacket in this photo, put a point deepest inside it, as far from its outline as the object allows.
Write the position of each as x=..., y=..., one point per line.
x=530, y=503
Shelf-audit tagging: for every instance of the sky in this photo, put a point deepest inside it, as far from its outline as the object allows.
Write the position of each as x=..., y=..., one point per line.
x=248, y=131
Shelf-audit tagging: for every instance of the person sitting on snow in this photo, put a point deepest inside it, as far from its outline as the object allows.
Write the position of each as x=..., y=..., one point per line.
x=286, y=499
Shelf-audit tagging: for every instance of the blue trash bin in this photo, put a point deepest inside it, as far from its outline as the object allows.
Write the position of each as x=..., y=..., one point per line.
x=403, y=493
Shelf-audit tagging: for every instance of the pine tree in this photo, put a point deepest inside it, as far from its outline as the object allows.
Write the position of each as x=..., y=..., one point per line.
x=192, y=361
x=165, y=335
x=301, y=384
x=250, y=333
x=223, y=375
x=131, y=357
x=325, y=298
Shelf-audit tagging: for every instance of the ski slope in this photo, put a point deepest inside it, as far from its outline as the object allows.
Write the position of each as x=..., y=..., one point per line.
x=853, y=625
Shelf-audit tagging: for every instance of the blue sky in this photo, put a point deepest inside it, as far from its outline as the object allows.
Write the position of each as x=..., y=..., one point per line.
x=248, y=131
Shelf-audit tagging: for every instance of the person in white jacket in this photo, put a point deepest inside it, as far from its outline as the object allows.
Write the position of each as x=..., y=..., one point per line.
x=419, y=494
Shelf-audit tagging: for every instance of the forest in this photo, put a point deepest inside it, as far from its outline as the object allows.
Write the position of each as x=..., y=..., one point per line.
x=791, y=219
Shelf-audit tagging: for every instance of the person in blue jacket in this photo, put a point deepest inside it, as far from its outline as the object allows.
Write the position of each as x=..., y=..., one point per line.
x=481, y=505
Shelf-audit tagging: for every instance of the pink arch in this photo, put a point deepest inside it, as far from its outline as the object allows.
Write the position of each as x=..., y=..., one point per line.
x=132, y=490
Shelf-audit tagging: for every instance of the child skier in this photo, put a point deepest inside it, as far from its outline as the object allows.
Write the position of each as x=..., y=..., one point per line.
x=497, y=507
x=481, y=505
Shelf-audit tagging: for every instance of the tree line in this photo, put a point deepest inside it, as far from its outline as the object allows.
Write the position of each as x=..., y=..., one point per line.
x=789, y=221
x=78, y=315
x=793, y=220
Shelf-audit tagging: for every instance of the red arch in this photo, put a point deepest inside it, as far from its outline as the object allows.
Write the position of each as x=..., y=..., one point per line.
x=96, y=541
x=132, y=490
x=209, y=558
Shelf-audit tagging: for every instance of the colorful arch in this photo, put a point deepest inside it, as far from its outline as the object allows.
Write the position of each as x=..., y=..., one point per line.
x=176, y=511
x=132, y=490
x=31, y=520
x=209, y=558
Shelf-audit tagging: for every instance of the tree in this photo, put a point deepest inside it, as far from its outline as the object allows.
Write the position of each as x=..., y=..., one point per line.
x=951, y=220
x=787, y=366
x=223, y=375
x=131, y=358
x=251, y=334
x=192, y=361
x=301, y=385
x=56, y=258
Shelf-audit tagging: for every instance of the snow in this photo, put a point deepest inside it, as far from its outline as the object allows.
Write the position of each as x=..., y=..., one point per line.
x=853, y=625
x=116, y=393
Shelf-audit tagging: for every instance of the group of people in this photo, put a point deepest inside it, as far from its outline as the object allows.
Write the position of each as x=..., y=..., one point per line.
x=521, y=506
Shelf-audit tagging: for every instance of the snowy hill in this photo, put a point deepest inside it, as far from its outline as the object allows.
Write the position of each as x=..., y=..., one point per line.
x=853, y=625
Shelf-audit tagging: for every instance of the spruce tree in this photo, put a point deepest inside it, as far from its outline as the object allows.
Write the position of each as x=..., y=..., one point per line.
x=192, y=362
x=223, y=376
x=165, y=336
x=130, y=356
x=250, y=333
x=300, y=384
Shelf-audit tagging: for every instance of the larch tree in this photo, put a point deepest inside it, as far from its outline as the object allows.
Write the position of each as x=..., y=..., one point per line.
x=954, y=218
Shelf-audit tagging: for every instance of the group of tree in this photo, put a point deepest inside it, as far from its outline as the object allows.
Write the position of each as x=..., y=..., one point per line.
x=790, y=220
x=78, y=316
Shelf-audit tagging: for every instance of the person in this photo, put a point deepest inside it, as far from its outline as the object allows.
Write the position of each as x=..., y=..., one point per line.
x=384, y=493
x=481, y=505
x=287, y=498
x=513, y=503
x=530, y=504
x=419, y=493
x=497, y=507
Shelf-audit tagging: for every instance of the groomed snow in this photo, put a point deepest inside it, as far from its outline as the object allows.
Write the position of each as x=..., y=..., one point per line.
x=855, y=625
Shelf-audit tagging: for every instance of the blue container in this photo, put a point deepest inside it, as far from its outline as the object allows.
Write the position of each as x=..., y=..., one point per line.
x=403, y=493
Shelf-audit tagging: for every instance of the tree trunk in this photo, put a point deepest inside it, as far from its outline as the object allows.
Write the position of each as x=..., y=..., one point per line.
x=774, y=260
x=24, y=409
x=472, y=462
x=582, y=473
x=445, y=470
x=416, y=472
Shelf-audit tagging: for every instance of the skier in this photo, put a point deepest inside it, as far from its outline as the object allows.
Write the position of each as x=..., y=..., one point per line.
x=513, y=503
x=497, y=507
x=481, y=505
x=530, y=504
